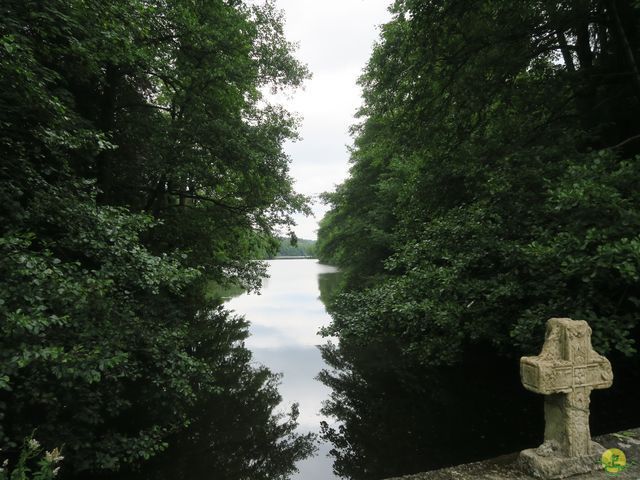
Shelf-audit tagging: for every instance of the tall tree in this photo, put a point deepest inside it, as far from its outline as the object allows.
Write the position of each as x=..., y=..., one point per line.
x=139, y=162
x=492, y=178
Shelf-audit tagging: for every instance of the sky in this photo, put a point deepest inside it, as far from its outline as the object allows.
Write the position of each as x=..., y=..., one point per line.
x=335, y=38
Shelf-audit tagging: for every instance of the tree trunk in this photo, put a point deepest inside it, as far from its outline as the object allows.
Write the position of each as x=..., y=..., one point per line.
x=586, y=92
x=624, y=41
x=566, y=53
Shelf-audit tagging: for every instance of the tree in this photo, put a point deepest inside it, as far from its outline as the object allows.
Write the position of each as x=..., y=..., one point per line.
x=491, y=179
x=140, y=163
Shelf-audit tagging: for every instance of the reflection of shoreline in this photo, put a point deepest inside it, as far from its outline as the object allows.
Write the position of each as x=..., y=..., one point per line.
x=293, y=257
x=299, y=367
x=284, y=320
x=399, y=417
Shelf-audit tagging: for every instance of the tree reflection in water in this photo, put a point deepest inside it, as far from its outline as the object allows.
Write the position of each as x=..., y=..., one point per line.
x=396, y=417
x=236, y=431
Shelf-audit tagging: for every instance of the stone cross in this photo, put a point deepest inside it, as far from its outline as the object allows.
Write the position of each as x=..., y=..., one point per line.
x=566, y=371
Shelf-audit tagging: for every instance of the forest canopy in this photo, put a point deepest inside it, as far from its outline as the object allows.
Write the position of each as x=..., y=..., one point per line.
x=140, y=163
x=494, y=179
x=299, y=247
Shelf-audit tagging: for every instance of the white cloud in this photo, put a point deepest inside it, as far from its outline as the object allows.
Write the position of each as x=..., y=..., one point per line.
x=335, y=40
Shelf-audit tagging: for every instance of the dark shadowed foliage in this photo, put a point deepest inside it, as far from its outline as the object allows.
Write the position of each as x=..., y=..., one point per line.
x=139, y=164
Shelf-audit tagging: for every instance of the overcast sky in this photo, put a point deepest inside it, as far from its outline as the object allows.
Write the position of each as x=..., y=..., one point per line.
x=335, y=38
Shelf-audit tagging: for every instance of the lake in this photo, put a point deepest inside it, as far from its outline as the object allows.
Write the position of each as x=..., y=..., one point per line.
x=285, y=318
x=387, y=415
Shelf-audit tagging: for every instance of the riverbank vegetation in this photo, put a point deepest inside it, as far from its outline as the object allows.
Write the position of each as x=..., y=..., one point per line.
x=493, y=185
x=299, y=247
x=140, y=163
x=494, y=179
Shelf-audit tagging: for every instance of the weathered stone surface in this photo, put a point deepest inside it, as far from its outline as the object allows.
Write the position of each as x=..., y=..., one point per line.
x=544, y=463
x=506, y=467
x=566, y=371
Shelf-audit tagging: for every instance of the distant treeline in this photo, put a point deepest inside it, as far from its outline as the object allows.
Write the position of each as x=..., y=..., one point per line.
x=299, y=248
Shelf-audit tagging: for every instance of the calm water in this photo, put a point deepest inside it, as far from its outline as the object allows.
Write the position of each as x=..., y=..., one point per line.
x=285, y=319
x=386, y=415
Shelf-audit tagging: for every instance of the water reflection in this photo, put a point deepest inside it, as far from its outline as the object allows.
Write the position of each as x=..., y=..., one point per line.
x=399, y=418
x=383, y=414
x=396, y=417
x=284, y=321
x=237, y=430
x=287, y=312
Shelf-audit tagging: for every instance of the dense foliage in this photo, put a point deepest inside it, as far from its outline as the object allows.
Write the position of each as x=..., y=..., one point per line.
x=140, y=163
x=298, y=247
x=494, y=178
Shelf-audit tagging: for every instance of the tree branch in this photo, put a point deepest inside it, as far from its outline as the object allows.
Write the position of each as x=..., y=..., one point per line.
x=146, y=105
x=624, y=142
x=210, y=200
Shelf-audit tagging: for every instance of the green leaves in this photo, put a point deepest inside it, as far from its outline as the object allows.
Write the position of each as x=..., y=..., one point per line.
x=139, y=164
x=483, y=196
x=32, y=464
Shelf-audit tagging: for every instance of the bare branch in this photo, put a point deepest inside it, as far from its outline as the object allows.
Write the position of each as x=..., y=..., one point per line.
x=624, y=142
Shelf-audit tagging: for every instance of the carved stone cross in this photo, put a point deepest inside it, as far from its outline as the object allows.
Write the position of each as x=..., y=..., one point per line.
x=566, y=371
